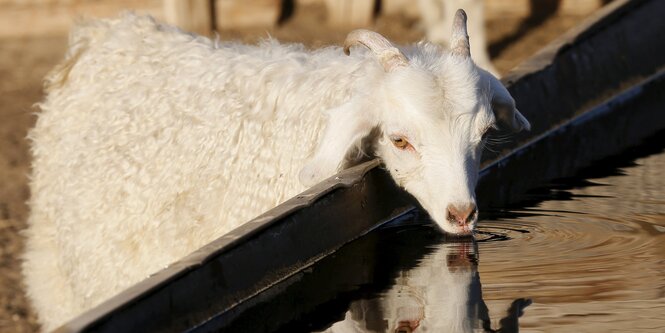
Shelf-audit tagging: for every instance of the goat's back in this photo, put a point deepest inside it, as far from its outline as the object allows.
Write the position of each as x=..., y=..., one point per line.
x=152, y=142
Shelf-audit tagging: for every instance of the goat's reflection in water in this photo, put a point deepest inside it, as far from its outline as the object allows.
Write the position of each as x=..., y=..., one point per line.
x=441, y=294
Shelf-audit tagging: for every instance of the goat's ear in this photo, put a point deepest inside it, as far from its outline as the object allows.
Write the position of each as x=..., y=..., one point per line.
x=503, y=105
x=347, y=125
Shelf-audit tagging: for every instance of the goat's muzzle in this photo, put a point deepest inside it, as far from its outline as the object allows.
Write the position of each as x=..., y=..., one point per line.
x=461, y=214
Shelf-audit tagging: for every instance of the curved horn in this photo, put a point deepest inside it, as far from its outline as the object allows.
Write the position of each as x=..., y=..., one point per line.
x=459, y=41
x=387, y=54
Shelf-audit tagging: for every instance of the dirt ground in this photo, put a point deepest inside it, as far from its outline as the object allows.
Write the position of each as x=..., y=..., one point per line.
x=25, y=61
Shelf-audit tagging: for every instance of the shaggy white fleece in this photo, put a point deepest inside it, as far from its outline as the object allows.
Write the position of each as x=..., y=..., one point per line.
x=153, y=142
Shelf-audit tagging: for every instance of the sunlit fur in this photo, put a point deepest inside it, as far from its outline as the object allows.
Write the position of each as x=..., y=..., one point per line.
x=152, y=142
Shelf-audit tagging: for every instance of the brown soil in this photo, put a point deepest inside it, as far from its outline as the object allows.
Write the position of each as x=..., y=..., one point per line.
x=25, y=61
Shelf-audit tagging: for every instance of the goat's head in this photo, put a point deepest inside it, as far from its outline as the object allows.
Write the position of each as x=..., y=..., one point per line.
x=427, y=116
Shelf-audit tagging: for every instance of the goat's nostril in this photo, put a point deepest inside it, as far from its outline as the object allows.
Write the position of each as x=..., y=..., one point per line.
x=473, y=215
x=462, y=214
x=450, y=216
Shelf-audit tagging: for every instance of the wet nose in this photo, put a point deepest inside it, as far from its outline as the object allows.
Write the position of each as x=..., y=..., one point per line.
x=462, y=214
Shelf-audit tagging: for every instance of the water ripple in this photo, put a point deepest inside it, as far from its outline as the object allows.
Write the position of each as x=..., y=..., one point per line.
x=593, y=262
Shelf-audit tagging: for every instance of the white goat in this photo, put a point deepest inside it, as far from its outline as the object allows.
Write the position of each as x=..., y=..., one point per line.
x=152, y=142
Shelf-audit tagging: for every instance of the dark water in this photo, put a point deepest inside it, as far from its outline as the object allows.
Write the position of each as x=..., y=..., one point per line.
x=585, y=254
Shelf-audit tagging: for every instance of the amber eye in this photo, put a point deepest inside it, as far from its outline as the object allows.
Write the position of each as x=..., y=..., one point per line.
x=400, y=142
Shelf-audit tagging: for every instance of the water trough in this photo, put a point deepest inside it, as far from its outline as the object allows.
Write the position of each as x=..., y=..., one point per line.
x=594, y=92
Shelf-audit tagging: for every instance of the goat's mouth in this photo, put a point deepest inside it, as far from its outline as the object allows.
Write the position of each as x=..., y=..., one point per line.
x=453, y=228
x=461, y=231
x=456, y=230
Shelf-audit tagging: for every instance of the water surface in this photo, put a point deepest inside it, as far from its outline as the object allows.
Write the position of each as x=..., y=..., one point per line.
x=591, y=261
x=585, y=254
